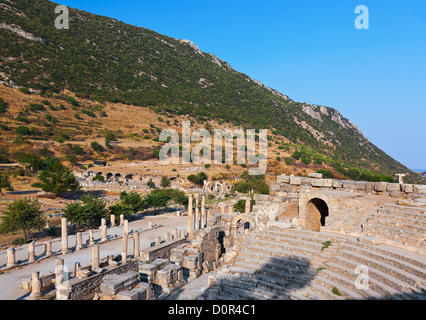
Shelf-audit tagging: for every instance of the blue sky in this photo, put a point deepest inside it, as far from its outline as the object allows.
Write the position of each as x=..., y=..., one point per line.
x=311, y=51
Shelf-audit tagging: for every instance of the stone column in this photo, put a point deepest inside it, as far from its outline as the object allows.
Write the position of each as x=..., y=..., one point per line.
x=121, y=219
x=48, y=249
x=247, y=205
x=150, y=224
x=157, y=241
x=79, y=241
x=175, y=233
x=203, y=217
x=208, y=211
x=231, y=210
x=35, y=285
x=91, y=238
x=64, y=232
x=182, y=233
x=104, y=233
x=112, y=220
x=10, y=257
x=77, y=268
x=136, y=245
x=126, y=227
x=222, y=209
x=95, y=257
x=124, y=248
x=31, y=252
x=59, y=271
x=166, y=236
x=197, y=214
x=190, y=199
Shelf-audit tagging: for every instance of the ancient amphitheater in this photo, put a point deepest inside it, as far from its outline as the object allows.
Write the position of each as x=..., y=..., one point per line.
x=310, y=238
x=347, y=240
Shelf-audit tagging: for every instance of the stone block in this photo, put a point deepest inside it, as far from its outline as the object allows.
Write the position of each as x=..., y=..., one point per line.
x=359, y=185
x=348, y=184
x=337, y=184
x=282, y=194
x=317, y=182
x=393, y=187
x=261, y=197
x=295, y=180
x=419, y=188
x=142, y=293
x=47, y=279
x=290, y=188
x=293, y=195
x=169, y=275
x=111, y=287
x=315, y=175
x=408, y=188
x=25, y=284
x=306, y=180
x=380, y=186
x=193, y=262
x=283, y=179
x=128, y=295
x=328, y=183
x=368, y=186
x=274, y=186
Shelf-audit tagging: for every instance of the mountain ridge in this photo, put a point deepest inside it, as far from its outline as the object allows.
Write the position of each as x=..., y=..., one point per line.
x=103, y=59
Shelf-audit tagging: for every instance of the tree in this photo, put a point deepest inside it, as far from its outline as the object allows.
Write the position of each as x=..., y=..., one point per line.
x=4, y=182
x=58, y=179
x=121, y=209
x=133, y=200
x=251, y=182
x=95, y=208
x=75, y=213
x=110, y=136
x=157, y=199
x=23, y=214
x=165, y=182
x=198, y=178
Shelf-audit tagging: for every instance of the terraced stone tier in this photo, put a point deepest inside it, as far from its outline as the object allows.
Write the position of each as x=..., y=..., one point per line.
x=296, y=264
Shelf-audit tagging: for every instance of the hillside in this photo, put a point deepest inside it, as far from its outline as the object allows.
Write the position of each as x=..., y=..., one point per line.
x=100, y=64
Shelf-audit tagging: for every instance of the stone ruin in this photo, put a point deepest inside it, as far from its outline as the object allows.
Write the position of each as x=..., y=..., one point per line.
x=341, y=243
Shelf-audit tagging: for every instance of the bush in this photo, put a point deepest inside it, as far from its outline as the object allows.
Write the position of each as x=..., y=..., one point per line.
x=23, y=130
x=96, y=146
x=198, y=178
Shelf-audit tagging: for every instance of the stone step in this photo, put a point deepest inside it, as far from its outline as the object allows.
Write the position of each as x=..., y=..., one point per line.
x=406, y=224
x=390, y=260
x=282, y=250
x=330, y=284
x=376, y=288
x=304, y=234
x=335, y=275
x=404, y=279
x=394, y=234
x=267, y=258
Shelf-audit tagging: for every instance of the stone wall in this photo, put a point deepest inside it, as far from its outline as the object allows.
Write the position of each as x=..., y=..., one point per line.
x=85, y=289
x=290, y=186
x=161, y=251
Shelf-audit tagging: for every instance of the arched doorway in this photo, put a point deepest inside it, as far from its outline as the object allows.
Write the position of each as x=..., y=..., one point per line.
x=316, y=213
x=241, y=224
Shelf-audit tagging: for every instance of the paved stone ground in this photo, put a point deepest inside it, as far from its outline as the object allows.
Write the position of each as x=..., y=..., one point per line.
x=10, y=279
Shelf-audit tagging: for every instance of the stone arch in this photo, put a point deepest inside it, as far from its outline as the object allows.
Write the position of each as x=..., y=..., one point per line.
x=313, y=212
x=90, y=173
x=239, y=223
x=128, y=177
x=117, y=176
x=108, y=176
